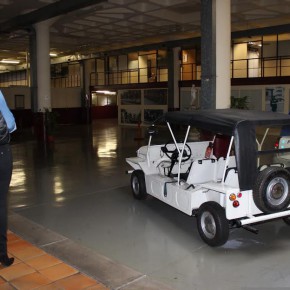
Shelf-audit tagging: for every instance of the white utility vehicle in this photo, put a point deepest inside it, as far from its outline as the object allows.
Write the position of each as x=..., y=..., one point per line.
x=223, y=190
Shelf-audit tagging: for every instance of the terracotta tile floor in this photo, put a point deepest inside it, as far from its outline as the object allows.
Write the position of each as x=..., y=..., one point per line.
x=35, y=269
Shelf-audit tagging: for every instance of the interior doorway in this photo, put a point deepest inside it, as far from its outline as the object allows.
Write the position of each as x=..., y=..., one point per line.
x=104, y=104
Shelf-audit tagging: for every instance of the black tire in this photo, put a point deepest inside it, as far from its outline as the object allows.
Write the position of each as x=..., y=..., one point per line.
x=287, y=220
x=271, y=191
x=138, y=185
x=212, y=224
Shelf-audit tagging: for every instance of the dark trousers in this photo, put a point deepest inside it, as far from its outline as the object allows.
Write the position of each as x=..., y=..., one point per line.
x=5, y=177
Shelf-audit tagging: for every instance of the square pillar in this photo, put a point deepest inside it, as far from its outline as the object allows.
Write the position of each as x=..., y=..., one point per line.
x=216, y=54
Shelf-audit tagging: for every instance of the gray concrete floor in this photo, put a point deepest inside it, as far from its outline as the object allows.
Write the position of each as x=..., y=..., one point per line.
x=73, y=198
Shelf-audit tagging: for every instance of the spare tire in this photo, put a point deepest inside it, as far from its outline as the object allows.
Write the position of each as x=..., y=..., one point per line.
x=271, y=190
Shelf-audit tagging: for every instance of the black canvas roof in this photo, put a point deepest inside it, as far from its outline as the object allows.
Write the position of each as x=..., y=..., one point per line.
x=225, y=121
x=238, y=123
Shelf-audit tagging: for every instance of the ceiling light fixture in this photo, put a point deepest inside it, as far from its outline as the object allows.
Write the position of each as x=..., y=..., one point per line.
x=10, y=61
x=106, y=92
x=53, y=54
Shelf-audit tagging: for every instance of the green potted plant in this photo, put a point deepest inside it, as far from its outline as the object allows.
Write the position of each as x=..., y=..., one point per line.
x=240, y=103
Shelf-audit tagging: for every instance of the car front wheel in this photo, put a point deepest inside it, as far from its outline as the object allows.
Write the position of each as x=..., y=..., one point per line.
x=138, y=185
x=212, y=224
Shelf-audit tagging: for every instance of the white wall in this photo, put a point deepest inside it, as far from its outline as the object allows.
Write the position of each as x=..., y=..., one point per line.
x=143, y=77
x=60, y=97
x=65, y=97
x=254, y=65
x=240, y=52
x=256, y=96
x=10, y=92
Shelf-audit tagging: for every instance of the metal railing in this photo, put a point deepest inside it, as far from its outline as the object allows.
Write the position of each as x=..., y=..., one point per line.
x=130, y=76
x=14, y=78
x=245, y=68
x=70, y=81
x=261, y=67
x=190, y=71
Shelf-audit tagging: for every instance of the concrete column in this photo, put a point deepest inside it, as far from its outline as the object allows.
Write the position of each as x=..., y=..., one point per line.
x=215, y=55
x=173, y=79
x=33, y=69
x=40, y=76
x=176, y=73
x=43, y=65
x=223, y=54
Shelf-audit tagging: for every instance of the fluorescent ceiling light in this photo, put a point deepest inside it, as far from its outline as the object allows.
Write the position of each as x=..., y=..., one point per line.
x=106, y=92
x=11, y=61
x=53, y=54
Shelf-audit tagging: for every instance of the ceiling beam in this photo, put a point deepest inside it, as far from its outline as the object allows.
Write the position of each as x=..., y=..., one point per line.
x=284, y=28
x=49, y=11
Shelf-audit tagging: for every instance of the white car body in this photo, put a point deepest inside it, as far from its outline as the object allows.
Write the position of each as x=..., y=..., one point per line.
x=206, y=175
x=198, y=181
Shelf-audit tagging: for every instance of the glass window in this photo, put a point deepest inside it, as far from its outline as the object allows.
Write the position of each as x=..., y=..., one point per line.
x=133, y=60
x=189, y=67
x=162, y=58
x=284, y=44
x=113, y=63
x=270, y=46
x=123, y=62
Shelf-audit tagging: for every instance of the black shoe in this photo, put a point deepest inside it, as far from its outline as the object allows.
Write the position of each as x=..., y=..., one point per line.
x=5, y=261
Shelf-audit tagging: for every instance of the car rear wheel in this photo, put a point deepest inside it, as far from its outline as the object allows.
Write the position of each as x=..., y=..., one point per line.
x=271, y=191
x=138, y=185
x=212, y=224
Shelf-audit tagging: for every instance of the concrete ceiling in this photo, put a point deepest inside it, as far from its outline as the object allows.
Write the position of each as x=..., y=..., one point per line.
x=115, y=24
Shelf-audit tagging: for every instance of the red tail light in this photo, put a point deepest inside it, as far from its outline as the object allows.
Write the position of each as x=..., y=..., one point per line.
x=276, y=145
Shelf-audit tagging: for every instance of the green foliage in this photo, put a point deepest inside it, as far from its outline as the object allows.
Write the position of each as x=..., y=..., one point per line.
x=239, y=103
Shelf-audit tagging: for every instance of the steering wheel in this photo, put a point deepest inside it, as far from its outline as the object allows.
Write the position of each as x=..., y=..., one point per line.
x=173, y=154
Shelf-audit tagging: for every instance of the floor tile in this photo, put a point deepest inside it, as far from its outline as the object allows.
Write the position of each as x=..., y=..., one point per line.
x=51, y=286
x=16, y=271
x=28, y=252
x=16, y=261
x=2, y=281
x=6, y=286
x=11, y=237
x=30, y=281
x=58, y=272
x=42, y=262
x=40, y=270
x=99, y=287
x=76, y=282
x=18, y=246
